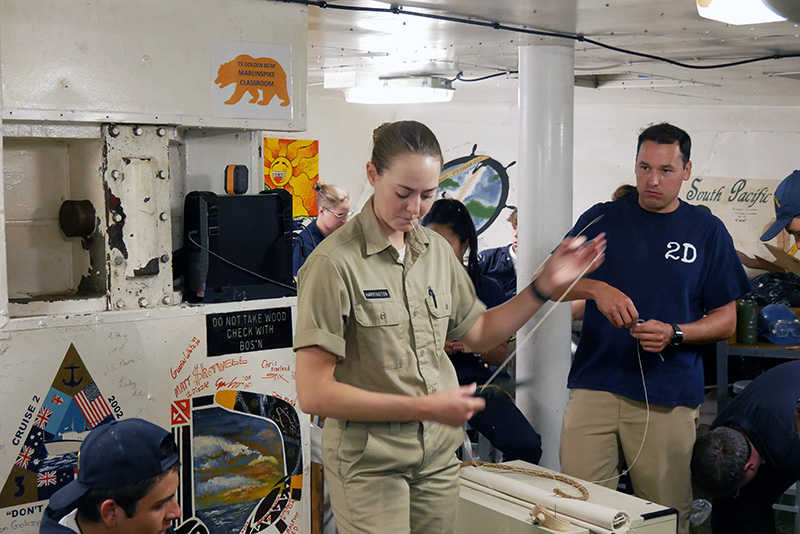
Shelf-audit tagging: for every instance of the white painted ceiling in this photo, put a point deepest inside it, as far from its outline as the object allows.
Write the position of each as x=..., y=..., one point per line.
x=366, y=36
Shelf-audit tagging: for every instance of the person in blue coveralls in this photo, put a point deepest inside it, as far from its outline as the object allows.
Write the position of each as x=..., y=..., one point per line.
x=751, y=455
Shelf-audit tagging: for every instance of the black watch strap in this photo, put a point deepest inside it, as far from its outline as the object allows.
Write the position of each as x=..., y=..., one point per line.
x=677, y=338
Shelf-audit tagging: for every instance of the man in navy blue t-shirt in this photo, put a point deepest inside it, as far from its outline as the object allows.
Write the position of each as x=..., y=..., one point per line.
x=666, y=290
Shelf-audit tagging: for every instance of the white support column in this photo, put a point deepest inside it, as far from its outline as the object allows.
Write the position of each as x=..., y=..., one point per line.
x=546, y=96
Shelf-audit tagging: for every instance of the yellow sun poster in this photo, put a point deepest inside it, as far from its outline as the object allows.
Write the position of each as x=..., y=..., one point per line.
x=293, y=165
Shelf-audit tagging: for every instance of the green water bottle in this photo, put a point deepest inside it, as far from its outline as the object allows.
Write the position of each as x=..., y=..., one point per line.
x=747, y=322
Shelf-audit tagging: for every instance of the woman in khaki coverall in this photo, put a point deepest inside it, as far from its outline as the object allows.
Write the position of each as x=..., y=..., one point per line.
x=377, y=300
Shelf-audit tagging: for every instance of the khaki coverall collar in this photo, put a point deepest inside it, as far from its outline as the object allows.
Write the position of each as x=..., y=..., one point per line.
x=377, y=241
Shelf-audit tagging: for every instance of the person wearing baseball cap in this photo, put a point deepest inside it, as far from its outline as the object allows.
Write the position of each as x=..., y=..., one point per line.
x=787, y=208
x=126, y=483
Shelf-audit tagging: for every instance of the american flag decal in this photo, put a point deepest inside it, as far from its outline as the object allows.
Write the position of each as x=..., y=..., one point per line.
x=93, y=405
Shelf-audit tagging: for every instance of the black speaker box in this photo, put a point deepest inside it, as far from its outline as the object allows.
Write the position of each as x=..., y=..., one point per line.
x=238, y=247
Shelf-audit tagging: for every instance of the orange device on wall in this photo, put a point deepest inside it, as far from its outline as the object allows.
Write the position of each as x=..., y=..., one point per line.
x=236, y=178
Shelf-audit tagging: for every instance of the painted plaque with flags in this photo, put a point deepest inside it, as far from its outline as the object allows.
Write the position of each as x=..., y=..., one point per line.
x=48, y=454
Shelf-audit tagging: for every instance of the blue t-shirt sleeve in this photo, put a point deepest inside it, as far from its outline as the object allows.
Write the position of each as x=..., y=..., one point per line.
x=585, y=225
x=728, y=280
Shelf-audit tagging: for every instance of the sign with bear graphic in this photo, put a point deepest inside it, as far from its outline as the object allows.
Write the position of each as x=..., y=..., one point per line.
x=251, y=80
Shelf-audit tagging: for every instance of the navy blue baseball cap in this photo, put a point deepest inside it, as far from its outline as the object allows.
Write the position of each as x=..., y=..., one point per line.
x=117, y=454
x=787, y=205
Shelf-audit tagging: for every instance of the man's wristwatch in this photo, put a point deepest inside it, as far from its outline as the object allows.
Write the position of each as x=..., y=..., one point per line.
x=677, y=338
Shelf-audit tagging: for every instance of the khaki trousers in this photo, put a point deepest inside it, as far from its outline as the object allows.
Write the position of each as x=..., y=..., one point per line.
x=391, y=477
x=602, y=429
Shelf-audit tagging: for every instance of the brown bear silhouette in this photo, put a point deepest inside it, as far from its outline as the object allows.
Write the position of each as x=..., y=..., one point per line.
x=252, y=75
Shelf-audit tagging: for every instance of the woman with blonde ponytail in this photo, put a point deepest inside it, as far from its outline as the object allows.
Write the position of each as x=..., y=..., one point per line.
x=333, y=205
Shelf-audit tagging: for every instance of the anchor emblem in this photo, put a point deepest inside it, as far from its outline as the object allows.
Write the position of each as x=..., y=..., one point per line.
x=72, y=382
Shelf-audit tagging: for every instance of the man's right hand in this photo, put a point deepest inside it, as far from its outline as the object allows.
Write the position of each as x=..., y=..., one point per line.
x=616, y=306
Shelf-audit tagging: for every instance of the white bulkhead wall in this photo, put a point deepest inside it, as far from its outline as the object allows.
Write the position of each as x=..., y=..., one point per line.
x=134, y=63
x=3, y=271
x=146, y=62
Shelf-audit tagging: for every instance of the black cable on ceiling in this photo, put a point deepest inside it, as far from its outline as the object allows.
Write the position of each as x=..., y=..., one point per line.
x=461, y=78
x=399, y=10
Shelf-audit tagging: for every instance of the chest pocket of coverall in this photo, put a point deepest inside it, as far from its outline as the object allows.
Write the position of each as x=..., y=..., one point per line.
x=379, y=334
x=439, y=308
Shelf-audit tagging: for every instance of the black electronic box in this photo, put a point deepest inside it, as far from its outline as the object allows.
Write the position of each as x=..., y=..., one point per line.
x=238, y=247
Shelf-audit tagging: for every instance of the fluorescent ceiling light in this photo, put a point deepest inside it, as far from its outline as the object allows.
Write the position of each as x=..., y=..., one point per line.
x=405, y=90
x=737, y=12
